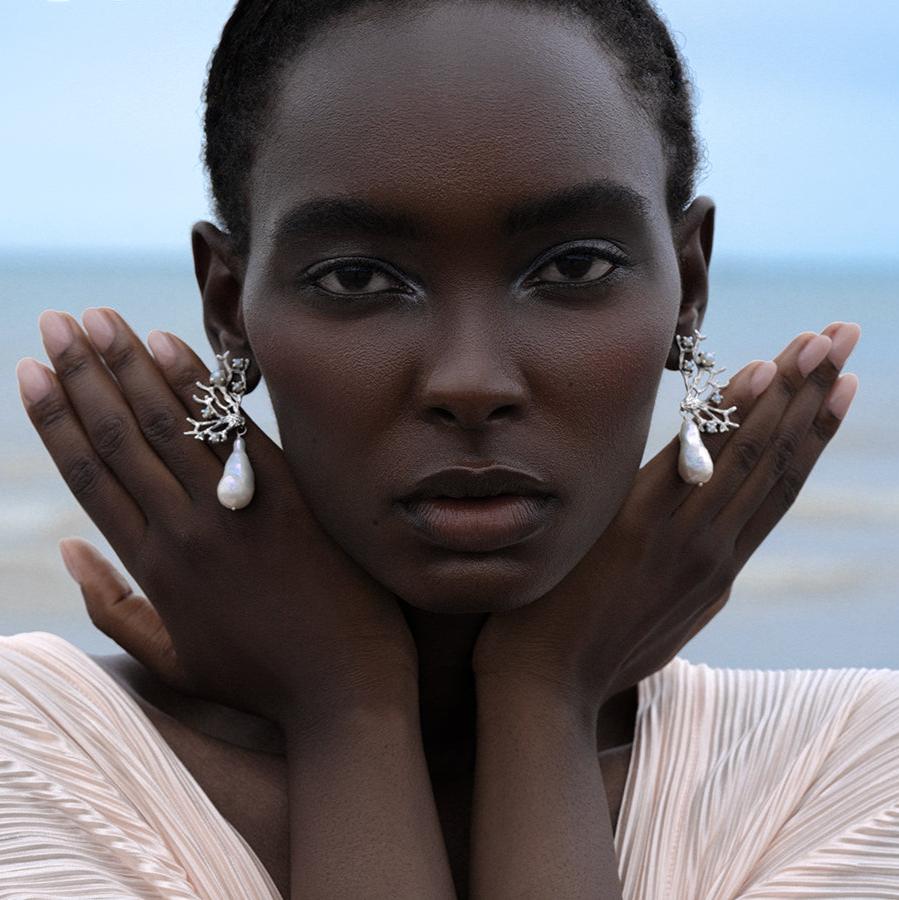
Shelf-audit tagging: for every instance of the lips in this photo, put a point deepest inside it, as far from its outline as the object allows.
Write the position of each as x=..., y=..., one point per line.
x=478, y=510
x=461, y=482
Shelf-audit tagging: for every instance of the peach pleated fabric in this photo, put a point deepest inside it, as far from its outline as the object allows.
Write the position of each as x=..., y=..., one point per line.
x=93, y=802
x=761, y=784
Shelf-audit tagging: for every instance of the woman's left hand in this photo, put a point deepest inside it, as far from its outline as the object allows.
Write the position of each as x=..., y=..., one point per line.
x=665, y=564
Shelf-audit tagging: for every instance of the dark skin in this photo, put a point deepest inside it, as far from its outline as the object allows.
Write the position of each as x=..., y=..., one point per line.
x=479, y=355
x=482, y=369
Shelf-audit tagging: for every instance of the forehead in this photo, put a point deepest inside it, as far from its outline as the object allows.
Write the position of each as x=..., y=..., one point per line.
x=461, y=108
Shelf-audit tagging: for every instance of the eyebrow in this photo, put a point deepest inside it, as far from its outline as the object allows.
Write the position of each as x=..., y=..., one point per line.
x=340, y=215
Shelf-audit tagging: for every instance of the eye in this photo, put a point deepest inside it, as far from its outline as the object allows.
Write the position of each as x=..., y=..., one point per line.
x=352, y=278
x=579, y=265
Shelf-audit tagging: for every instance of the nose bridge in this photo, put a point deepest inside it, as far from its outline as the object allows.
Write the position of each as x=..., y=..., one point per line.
x=470, y=373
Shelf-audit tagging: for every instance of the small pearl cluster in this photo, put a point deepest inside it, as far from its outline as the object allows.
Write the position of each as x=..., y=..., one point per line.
x=703, y=393
x=221, y=405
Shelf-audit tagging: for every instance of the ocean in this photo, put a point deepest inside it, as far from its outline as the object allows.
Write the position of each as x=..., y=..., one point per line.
x=820, y=591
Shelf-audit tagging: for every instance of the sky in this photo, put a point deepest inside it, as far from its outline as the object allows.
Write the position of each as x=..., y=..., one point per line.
x=100, y=132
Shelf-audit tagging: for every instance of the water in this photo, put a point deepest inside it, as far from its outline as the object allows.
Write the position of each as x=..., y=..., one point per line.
x=819, y=592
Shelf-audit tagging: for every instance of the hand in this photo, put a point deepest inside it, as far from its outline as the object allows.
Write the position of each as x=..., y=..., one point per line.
x=665, y=564
x=262, y=610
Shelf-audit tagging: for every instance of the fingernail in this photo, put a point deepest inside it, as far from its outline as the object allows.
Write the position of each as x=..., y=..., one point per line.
x=844, y=340
x=99, y=328
x=163, y=347
x=55, y=331
x=842, y=394
x=34, y=379
x=813, y=353
x=762, y=376
x=70, y=560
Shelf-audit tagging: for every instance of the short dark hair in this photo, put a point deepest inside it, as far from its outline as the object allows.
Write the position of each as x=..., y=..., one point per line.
x=261, y=36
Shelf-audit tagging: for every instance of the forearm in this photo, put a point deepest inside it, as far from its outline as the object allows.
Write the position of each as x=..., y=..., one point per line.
x=540, y=821
x=363, y=822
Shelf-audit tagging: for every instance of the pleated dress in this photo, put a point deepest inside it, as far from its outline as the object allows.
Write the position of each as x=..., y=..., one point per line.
x=743, y=783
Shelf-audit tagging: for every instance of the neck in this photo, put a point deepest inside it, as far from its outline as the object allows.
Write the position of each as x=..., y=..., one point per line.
x=446, y=685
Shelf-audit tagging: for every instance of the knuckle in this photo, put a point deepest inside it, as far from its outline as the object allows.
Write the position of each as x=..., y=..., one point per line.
x=702, y=557
x=787, y=388
x=121, y=357
x=50, y=412
x=790, y=486
x=747, y=450
x=185, y=381
x=784, y=445
x=71, y=365
x=110, y=434
x=158, y=425
x=83, y=475
x=824, y=430
x=823, y=376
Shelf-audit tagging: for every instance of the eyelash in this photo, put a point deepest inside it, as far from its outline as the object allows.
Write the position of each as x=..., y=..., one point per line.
x=317, y=273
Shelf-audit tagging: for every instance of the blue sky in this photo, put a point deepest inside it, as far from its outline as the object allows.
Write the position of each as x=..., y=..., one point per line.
x=798, y=109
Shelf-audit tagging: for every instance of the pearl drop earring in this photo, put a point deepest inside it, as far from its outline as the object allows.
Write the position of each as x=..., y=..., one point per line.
x=220, y=414
x=699, y=409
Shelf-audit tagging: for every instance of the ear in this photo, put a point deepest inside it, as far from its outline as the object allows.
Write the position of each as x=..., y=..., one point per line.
x=693, y=242
x=220, y=275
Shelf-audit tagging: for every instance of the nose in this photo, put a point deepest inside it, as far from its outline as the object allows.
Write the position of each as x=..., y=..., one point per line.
x=470, y=379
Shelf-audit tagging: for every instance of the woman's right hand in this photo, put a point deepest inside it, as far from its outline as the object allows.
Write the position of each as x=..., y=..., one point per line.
x=262, y=609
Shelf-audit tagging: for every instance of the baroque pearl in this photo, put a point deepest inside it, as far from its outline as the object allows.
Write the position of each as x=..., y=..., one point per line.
x=235, y=490
x=694, y=463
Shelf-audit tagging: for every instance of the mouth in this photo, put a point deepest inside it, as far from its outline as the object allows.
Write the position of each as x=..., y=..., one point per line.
x=478, y=524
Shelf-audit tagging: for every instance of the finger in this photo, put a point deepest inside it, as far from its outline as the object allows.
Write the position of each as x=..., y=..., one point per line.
x=741, y=451
x=105, y=415
x=781, y=498
x=158, y=411
x=789, y=434
x=122, y=615
x=182, y=368
x=102, y=496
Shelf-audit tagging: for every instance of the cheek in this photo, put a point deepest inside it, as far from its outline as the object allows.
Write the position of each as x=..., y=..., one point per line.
x=331, y=390
x=612, y=382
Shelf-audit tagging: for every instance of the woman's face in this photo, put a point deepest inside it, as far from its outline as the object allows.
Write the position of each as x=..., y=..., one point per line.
x=473, y=322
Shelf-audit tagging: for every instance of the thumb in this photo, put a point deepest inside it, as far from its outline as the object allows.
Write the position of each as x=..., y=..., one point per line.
x=121, y=614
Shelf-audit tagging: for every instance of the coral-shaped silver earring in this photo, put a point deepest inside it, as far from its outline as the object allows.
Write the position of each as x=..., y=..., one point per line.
x=220, y=414
x=699, y=409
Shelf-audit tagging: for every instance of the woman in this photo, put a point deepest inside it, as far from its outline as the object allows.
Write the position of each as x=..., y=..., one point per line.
x=454, y=235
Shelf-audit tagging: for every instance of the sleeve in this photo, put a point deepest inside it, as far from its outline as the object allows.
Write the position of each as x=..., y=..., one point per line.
x=65, y=832
x=842, y=838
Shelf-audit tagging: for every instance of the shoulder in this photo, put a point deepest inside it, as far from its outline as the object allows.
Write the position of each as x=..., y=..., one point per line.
x=90, y=794
x=784, y=779
x=753, y=698
x=795, y=727
x=36, y=665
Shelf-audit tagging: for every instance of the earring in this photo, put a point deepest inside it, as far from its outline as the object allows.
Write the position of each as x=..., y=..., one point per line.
x=694, y=464
x=221, y=412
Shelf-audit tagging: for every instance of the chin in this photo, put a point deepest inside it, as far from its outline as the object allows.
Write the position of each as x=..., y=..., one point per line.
x=474, y=583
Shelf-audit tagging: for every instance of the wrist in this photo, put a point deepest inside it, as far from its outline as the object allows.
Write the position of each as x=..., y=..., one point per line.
x=500, y=696
x=331, y=723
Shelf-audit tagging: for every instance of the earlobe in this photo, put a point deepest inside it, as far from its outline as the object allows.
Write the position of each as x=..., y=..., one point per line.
x=220, y=274
x=693, y=237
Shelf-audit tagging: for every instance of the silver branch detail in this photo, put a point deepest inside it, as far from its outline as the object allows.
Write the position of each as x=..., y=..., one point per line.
x=221, y=401
x=703, y=393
